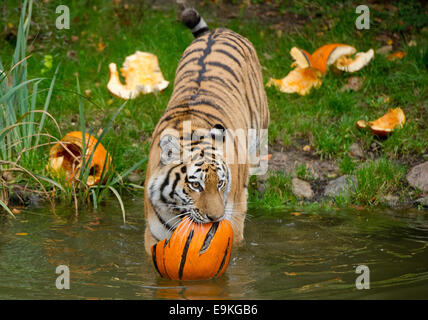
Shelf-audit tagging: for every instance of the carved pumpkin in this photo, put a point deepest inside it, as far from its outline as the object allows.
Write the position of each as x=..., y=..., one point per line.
x=142, y=75
x=69, y=161
x=195, y=251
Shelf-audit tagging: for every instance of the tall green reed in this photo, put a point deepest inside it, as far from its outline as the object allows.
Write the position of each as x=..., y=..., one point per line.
x=19, y=131
x=110, y=180
x=22, y=132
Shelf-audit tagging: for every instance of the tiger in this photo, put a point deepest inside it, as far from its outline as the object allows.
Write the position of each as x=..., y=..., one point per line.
x=218, y=90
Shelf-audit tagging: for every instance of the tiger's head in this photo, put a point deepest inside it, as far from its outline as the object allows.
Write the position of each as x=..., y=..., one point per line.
x=196, y=185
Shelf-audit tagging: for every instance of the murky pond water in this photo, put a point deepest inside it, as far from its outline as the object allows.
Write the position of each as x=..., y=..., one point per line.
x=287, y=255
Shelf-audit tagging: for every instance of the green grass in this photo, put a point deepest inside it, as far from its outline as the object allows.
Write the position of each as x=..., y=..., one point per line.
x=20, y=131
x=23, y=132
x=324, y=118
x=377, y=179
x=347, y=165
x=277, y=192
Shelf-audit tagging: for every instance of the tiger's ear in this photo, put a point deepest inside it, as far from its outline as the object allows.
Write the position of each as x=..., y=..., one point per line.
x=170, y=149
x=218, y=133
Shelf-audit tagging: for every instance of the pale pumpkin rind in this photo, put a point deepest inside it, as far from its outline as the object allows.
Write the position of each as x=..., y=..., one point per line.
x=392, y=120
x=142, y=75
x=310, y=68
x=299, y=80
x=348, y=64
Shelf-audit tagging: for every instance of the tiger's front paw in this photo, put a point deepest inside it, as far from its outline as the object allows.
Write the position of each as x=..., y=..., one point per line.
x=238, y=241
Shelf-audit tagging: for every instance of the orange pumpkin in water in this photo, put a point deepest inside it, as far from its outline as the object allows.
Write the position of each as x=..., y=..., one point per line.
x=66, y=156
x=195, y=251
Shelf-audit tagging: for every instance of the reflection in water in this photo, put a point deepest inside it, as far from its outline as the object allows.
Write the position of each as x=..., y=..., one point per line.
x=191, y=290
x=311, y=255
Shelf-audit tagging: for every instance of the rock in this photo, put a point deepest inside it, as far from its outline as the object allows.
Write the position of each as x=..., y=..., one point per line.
x=353, y=84
x=7, y=176
x=262, y=186
x=135, y=177
x=290, y=161
x=391, y=200
x=356, y=151
x=418, y=176
x=385, y=50
x=20, y=195
x=263, y=177
x=423, y=201
x=301, y=188
x=343, y=185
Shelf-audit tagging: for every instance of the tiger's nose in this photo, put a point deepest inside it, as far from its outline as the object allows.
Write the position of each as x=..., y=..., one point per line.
x=213, y=218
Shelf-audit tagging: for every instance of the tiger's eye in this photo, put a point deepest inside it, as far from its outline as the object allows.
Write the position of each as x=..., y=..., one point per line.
x=196, y=185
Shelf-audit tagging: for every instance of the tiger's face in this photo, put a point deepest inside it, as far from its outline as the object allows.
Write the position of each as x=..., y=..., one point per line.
x=197, y=188
x=207, y=185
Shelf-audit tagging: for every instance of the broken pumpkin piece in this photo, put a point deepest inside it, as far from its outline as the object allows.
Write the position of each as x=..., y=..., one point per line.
x=310, y=68
x=302, y=59
x=329, y=53
x=299, y=80
x=396, y=55
x=393, y=119
x=361, y=124
x=322, y=57
x=348, y=64
x=66, y=156
x=142, y=75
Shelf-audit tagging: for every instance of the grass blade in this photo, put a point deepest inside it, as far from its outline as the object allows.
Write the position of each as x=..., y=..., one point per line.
x=46, y=106
x=128, y=171
x=5, y=207
x=120, y=202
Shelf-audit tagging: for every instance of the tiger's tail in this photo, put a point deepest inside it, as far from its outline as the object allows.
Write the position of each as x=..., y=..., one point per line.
x=191, y=18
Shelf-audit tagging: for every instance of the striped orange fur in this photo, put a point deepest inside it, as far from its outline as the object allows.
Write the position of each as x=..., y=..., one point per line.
x=218, y=89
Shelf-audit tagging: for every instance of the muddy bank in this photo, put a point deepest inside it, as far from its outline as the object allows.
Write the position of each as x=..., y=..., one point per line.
x=312, y=180
x=319, y=180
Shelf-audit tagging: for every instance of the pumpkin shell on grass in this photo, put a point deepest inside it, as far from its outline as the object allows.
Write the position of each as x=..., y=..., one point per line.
x=322, y=57
x=299, y=80
x=393, y=119
x=301, y=58
x=383, y=126
x=397, y=55
x=69, y=161
x=142, y=75
x=310, y=68
x=349, y=64
x=328, y=54
x=195, y=251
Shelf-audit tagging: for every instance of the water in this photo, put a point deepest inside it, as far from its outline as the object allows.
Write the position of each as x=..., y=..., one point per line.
x=287, y=255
